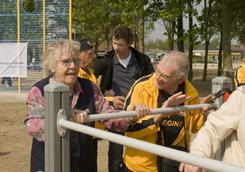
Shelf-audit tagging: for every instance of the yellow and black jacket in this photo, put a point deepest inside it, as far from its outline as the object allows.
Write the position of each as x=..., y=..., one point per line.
x=144, y=91
x=90, y=76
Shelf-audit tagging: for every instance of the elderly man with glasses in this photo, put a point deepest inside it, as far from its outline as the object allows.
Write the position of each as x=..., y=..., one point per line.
x=162, y=89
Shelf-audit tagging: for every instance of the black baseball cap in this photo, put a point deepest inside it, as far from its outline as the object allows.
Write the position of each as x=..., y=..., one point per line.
x=85, y=44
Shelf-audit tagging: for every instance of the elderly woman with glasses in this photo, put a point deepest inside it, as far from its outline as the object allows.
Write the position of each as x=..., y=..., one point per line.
x=61, y=64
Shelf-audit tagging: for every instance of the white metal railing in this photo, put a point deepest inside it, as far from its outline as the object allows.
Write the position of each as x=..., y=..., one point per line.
x=57, y=148
x=162, y=151
x=124, y=114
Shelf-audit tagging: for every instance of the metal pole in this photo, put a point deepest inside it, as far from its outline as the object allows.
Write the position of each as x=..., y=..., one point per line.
x=70, y=20
x=153, y=148
x=124, y=114
x=44, y=27
x=57, y=157
x=18, y=39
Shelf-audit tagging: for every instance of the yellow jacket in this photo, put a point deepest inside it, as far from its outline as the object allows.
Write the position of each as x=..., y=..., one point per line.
x=144, y=91
x=83, y=74
x=240, y=75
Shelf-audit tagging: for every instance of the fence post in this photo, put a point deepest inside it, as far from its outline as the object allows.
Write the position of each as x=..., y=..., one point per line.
x=218, y=84
x=57, y=153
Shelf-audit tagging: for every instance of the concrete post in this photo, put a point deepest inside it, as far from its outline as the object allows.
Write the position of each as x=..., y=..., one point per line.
x=218, y=84
x=57, y=153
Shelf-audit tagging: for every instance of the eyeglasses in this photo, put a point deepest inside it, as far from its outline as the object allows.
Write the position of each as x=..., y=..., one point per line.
x=68, y=62
x=165, y=77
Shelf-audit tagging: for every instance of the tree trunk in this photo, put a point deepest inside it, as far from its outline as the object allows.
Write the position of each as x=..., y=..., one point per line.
x=141, y=32
x=204, y=77
x=170, y=29
x=220, y=59
x=171, y=38
x=207, y=36
x=180, y=33
x=227, y=21
x=191, y=41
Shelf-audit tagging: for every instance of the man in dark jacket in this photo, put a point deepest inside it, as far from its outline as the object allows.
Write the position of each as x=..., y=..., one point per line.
x=119, y=69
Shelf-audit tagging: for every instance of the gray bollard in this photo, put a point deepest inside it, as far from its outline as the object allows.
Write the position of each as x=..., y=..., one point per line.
x=57, y=152
x=218, y=84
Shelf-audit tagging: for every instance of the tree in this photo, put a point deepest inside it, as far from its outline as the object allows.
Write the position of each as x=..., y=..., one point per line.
x=158, y=44
x=8, y=19
x=226, y=43
x=238, y=17
x=99, y=18
x=207, y=29
x=191, y=32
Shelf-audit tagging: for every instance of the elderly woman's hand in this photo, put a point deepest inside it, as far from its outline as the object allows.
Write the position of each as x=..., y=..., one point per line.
x=79, y=116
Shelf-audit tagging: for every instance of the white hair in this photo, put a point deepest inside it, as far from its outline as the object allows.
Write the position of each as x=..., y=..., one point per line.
x=57, y=50
x=178, y=60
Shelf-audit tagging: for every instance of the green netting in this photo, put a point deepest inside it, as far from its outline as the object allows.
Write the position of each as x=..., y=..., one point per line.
x=31, y=25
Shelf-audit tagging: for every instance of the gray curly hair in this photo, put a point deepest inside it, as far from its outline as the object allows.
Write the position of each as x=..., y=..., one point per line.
x=56, y=50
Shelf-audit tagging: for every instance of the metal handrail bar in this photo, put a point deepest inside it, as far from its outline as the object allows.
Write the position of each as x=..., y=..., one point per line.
x=125, y=114
x=162, y=151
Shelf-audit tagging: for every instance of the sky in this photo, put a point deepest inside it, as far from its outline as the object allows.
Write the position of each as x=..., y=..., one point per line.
x=157, y=33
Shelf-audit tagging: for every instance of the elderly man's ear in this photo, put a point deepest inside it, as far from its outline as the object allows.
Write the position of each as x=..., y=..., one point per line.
x=181, y=79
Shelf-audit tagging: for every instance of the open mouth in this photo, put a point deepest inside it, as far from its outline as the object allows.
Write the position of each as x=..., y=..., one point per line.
x=71, y=74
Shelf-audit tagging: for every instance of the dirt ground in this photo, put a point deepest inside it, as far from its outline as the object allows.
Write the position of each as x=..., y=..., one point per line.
x=15, y=143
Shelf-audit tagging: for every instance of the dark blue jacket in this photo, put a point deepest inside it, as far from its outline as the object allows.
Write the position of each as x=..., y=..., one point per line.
x=82, y=151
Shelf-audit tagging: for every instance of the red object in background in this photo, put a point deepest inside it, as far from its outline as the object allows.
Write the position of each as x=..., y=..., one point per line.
x=225, y=92
x=226, y=96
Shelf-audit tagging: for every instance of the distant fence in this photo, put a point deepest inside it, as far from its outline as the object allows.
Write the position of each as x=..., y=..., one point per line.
x=57, y=139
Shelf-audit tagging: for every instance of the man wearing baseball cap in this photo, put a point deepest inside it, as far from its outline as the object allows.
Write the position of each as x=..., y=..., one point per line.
x=86, y=71
x=87, y=57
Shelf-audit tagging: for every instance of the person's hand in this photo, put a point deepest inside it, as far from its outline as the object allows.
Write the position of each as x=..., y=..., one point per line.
x=118, y=102
x=109, y=93
x=172, y=101
x=208, y=99
x=189, y=168
x=79, y=116
x=175, y=100
x=141, y=110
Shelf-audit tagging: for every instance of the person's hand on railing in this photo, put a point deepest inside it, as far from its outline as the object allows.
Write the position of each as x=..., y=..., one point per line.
x=118, y=102
x=172, y=101
x=189, y=168
x=79, y=116
x=208, y=99
x=141, y=110
x=109, y=93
